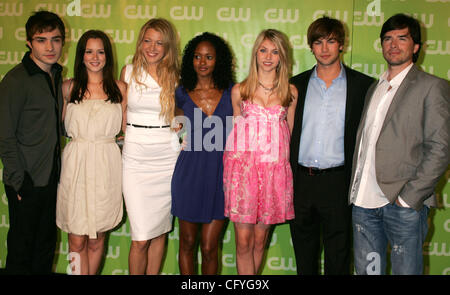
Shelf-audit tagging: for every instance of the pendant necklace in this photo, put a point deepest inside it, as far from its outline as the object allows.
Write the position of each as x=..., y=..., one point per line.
x=266, y=89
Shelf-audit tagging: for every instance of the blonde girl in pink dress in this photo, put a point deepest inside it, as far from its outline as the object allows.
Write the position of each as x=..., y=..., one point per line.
x=257, y=174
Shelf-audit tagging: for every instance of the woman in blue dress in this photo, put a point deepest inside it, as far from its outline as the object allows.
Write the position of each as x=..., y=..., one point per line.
x=204, y=100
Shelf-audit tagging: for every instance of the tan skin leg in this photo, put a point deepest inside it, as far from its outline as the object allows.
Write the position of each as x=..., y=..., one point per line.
x=90, y=251
x=155, y=254
x=251, y=240
x=209, y=245
x=146, y=256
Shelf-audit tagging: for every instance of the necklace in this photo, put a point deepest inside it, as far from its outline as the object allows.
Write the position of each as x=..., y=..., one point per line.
x=266, y=89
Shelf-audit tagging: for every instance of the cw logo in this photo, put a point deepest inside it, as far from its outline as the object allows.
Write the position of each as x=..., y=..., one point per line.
x=224, y=35
x=174, y=235
x=227, y=237
x=337, y=14
x=435, y=47
x=373, y=72
x=447, y=225
x=59, y=9
x=88, y=10
x=139, y=11
x=430, y=69
x=123, y=232
x=247, y=40
x=4, y=199
x=226, y=14
x=423, y=19
x=435, y=251
x=4, y=221
x=112, y=254
x=11, y=9
x=279, y=263
x=21, y=34
x=127, y=36
x=274, y=15
x=299, y=42
x=228, y=260
x=11, y=57
x=74, y=34
x=182, y=13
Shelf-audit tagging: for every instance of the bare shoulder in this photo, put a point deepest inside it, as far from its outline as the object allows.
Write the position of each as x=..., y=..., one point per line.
x=236, y=90
x=294, y=91
x=66, y=83
x=122, y=85
x=236, y=93
x=122, y=73
x=236, y=87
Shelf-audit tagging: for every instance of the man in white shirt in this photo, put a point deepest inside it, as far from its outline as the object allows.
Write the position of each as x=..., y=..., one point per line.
x=402, y=150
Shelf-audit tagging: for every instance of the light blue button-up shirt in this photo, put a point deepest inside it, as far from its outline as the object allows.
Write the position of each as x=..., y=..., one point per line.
x=322, y=139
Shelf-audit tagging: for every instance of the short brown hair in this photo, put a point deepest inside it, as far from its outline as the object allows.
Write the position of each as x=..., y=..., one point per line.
x=325, y=27
x=44, y=21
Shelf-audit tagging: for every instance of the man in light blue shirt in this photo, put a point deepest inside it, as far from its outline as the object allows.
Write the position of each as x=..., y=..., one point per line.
x=330, y=102
x=323, y=122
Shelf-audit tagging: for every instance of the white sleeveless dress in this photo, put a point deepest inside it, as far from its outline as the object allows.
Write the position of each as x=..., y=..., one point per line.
x=90, y=187
x=149, y=156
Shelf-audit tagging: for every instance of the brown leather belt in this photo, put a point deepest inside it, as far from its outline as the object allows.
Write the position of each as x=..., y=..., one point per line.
x=313, y=171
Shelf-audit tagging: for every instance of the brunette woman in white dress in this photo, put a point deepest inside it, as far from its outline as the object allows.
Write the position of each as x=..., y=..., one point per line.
x=90, y=189
x=150, y=147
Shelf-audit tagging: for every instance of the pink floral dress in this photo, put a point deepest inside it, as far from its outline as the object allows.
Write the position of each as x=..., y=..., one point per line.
x=257, y=175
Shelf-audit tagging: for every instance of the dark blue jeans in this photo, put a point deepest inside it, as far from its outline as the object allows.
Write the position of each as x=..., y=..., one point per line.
x=404, y=228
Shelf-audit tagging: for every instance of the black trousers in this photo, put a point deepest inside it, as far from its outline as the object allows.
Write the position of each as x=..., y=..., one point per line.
x=31, y=239
x=321, y=210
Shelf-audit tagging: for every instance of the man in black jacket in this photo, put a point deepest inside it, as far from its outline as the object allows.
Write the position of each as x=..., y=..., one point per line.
x=330, y=101
x=30, y=131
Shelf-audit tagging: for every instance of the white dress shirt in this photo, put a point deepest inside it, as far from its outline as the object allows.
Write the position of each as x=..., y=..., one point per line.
x=365, y=191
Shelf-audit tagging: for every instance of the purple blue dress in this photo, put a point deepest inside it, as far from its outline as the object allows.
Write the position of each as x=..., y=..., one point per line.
x=197, y=181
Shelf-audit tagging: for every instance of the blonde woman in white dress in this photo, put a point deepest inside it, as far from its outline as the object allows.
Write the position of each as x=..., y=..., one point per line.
x=89, y=199
x=150, y=147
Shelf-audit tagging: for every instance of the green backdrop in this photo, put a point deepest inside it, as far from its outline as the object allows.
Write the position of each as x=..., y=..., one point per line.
x=238, y=21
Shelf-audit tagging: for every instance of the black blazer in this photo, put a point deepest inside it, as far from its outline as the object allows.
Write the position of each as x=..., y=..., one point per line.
x=357, y=86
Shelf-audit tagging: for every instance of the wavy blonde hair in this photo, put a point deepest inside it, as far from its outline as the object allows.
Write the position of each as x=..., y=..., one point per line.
x=167, y=69
x=283, y=71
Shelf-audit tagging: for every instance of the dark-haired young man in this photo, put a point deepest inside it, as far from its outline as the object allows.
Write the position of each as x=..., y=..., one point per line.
x=402, y=150
x=331, y=98
x=30, y=130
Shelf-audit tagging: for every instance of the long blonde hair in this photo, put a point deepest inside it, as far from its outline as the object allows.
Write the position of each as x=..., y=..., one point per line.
x=167, y=69
x=283, y=71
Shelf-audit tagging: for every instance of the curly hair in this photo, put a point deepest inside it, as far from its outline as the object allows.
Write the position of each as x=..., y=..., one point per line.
x=223, y=73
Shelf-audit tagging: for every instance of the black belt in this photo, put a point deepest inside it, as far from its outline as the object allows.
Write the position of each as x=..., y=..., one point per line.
x=142, y=126
x=313, y=171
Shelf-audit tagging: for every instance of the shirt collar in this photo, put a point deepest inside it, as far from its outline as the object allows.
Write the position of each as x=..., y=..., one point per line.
x=398, y=79
x=340, y=76
x=32, y=68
